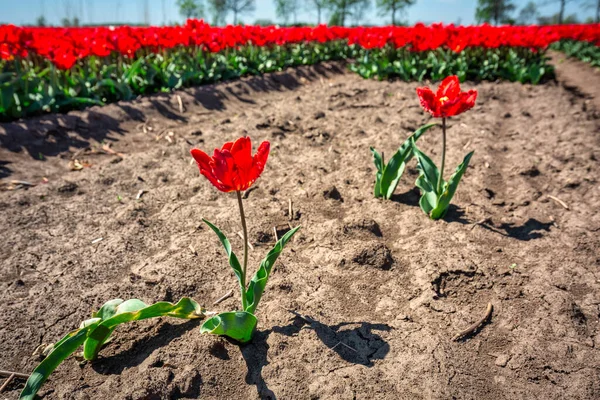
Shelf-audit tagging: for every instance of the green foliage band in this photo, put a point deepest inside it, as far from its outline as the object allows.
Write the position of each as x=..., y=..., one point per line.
x=33, y=86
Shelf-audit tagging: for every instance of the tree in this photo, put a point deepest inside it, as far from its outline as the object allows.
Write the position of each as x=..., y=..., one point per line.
x=496, y=11
x=387, y=7
x=358, y=10
x=561, y=13
x=264, y=22
x=285, y=9
x=218, y=10
x=342, y=10
x=528, y=14
x=553, y=19
x=66, y=22
x=190, y=8
x=590, y=4
x=238, y=7
x=318, y=5
x=41, y=21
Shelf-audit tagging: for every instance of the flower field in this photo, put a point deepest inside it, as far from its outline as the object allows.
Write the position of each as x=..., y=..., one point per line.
x=59, y=69
x=185, y=217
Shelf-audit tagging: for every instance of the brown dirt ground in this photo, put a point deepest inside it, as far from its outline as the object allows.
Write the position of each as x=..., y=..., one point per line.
x=377, y=276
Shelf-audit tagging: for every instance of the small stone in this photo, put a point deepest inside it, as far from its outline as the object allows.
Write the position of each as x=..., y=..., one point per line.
x=69, y=187
x=502, y=360
x=319, y=115
x=531, y=171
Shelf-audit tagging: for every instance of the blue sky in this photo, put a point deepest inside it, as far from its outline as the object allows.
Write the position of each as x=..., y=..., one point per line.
x=97, y=11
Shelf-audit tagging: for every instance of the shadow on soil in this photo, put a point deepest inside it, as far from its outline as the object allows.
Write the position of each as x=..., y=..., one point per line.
x=412, y=197
x=354, y=342
x=4, y=170
x=531, y=229
x=255, y=356
x=53, y=134
x=456, y=214
x=213, y=97
x=142, y=348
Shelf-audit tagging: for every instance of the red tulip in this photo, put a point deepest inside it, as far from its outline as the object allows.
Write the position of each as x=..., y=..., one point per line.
x=448, y=101
x=233, y=168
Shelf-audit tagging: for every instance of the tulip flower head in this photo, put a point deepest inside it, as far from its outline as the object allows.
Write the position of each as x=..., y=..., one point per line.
x=448, y=101
x=233, y=168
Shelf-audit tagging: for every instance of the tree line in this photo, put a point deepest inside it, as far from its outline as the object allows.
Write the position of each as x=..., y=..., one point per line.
x=503, y=12
x=340, y=12
x=352, y=12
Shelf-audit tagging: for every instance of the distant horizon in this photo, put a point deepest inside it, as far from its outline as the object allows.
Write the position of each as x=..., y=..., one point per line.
x=161, y=12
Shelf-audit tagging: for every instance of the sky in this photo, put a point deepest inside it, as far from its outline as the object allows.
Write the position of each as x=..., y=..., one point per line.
x=21, y=12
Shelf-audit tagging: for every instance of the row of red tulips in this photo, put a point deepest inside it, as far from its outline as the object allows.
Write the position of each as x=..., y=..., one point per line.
x=64, y=46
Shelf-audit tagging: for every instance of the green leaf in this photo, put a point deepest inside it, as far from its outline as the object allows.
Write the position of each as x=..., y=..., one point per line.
x=377, y=160
x=449, y=188
x=427, y=181
x=379, y=165
x=61, y=351
x=395, y=167
x=238, y=325
x=137, y=310
x=108, y=309
x=233, y=260
x=259, y=280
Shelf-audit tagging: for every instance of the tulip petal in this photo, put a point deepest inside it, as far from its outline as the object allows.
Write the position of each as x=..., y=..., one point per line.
x=242, y=155
x=224, y=169
x=202, y=159
x=204, y=164
x=227, y=146
x=260, y=160
x=428, y=100
x=450, y=88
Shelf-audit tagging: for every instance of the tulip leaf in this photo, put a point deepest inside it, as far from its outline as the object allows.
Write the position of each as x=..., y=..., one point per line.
x=137, y=310
x=388, y=176
x=61, y=351
x=379, y=165
x=395, y=167
x=94, y=332
x=233, y=260
x=449, y=188
x=259, y=280
x=427, y=181
x=238, y=325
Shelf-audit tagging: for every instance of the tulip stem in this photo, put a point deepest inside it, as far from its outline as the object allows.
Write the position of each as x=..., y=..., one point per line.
x=441, y=177
x=245, y=231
